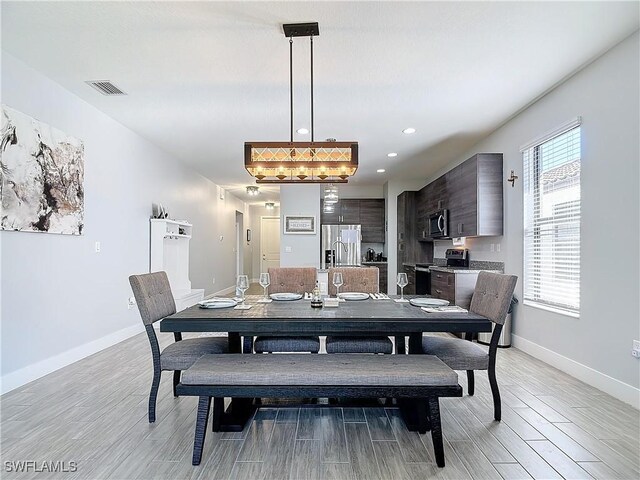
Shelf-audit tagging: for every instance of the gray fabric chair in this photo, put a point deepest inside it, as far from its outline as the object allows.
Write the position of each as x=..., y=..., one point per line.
x=491, y=299
x=289, y=280
x=364, y=280
x=155, y=302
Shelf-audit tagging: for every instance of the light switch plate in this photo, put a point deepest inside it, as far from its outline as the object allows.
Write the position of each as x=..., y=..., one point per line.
x=97, y=247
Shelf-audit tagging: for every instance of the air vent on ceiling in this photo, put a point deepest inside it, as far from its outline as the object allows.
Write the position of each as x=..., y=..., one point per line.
x=105, y=87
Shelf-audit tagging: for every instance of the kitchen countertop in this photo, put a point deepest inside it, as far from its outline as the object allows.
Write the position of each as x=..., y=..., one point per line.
x=461, y=270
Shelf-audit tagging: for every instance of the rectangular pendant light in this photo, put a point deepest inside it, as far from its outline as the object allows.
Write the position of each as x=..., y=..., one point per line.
x=301, y=162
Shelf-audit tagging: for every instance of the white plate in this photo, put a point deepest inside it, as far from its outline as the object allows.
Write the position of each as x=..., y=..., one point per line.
x=428, y=302
x=354, y=296
x=218, y=303
x=284, y=297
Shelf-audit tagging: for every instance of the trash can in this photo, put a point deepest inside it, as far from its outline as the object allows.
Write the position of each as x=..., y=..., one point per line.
x=505, y=337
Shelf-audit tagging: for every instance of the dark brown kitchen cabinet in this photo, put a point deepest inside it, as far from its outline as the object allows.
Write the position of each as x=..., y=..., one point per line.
x=367, y=212
x=475, y=201
x=372, y=220
x=409, y=249
x=456, y=288
x=472, y=194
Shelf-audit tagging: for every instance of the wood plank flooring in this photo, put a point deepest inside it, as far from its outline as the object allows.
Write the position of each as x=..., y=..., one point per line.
x=94, y=413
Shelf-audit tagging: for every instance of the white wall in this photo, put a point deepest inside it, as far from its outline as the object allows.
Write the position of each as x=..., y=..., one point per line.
x=257, y=212
x=61, y=300
x=304, y=249
x=595, y=347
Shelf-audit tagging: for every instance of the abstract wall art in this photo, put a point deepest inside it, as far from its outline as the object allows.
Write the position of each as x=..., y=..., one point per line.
x=41, y=177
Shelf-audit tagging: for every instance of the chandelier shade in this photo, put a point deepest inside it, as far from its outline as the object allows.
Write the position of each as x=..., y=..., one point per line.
x=301, y=162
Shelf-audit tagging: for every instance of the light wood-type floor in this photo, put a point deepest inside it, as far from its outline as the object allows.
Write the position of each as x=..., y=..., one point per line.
x=94, y=413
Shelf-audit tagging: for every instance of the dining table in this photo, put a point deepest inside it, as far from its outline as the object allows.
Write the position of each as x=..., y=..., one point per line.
x=370, y=317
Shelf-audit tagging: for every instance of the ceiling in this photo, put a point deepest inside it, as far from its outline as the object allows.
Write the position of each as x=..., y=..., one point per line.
x=204, y=77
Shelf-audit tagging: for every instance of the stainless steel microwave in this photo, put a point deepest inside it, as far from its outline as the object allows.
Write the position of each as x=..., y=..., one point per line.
x=439, y=224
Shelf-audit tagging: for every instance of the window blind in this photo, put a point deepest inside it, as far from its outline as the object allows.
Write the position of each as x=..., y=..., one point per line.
x=552, y=221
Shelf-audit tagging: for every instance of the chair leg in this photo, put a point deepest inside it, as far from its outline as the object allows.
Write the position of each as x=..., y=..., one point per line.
x=497, y=406
x=470, y=383
x=155, y=384
x=204, y=405
x=176, y=381
x=436, y=430
x=423, y=415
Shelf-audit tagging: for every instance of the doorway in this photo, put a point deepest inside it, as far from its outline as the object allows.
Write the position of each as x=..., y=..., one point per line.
x=269, y=243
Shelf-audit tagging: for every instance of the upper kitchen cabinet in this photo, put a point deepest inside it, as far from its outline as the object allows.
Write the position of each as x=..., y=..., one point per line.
x=367, y=212
x=471, y=192
x=372, y=220
x=475, y=197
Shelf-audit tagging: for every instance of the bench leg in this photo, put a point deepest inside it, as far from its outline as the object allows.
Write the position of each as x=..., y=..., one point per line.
x=423, y=415
x=470, y=383
x=218, y=410
x=201, y=429
x=436, y=430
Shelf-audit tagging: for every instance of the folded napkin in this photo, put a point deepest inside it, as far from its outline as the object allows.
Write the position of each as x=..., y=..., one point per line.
x=445, y=309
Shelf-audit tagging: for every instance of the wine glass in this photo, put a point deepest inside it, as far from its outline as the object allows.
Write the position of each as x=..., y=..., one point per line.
x=243, y=285
x=265, y=281
x=402, y=282
x=337, y=282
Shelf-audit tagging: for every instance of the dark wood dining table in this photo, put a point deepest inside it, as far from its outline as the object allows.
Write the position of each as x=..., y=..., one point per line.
x=290, y=318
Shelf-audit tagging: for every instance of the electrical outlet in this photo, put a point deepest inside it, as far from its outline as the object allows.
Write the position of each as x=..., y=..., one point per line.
x=131, y=303
x=497, y=247
x=287, y=249
x=493, y=247
x=97, y=247
x=213, y=281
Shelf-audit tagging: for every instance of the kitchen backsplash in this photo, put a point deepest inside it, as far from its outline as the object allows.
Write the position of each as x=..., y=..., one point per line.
x=474, y=264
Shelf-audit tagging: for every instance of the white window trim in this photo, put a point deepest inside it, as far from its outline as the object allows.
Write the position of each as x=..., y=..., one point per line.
x=549, y=308
x=559, y=130
x=573, y=123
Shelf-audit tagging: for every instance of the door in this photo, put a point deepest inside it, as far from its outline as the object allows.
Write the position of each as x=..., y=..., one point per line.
x=269, y=243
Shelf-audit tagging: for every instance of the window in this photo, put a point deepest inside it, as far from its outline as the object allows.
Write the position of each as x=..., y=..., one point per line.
x=552, y=220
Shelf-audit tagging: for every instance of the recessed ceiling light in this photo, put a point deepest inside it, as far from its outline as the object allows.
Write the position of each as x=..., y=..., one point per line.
x=302, y=131
x=381, y=170
x=392, y=154
x=409, y=131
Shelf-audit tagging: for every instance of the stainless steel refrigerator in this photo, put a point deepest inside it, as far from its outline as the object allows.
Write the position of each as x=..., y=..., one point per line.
x=343, y=243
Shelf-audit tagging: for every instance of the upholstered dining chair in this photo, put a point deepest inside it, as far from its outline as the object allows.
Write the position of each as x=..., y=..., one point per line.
x=155, y=302
x=491, y=298
x=289, y=280
x=363, y=280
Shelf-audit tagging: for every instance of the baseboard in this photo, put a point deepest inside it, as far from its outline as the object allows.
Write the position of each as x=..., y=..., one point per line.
x=620, y=390
x=21, y=377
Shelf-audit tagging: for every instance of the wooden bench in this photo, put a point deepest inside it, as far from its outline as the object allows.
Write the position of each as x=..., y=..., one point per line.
x=422, y=377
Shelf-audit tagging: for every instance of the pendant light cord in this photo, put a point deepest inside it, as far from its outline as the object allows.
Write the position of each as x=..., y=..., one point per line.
x=291, y=82
x=312, y=88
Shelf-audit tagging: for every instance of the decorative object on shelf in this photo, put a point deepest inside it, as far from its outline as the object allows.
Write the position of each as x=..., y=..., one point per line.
x=301, y=162
x=158, y=211
x=248, y=235
x=269, y=205
x=41, y=177
x=299, y=224
x=253, y=191
x=512, y=178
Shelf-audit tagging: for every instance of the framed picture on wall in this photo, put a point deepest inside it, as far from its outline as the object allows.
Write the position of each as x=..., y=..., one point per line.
x=299, y=225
